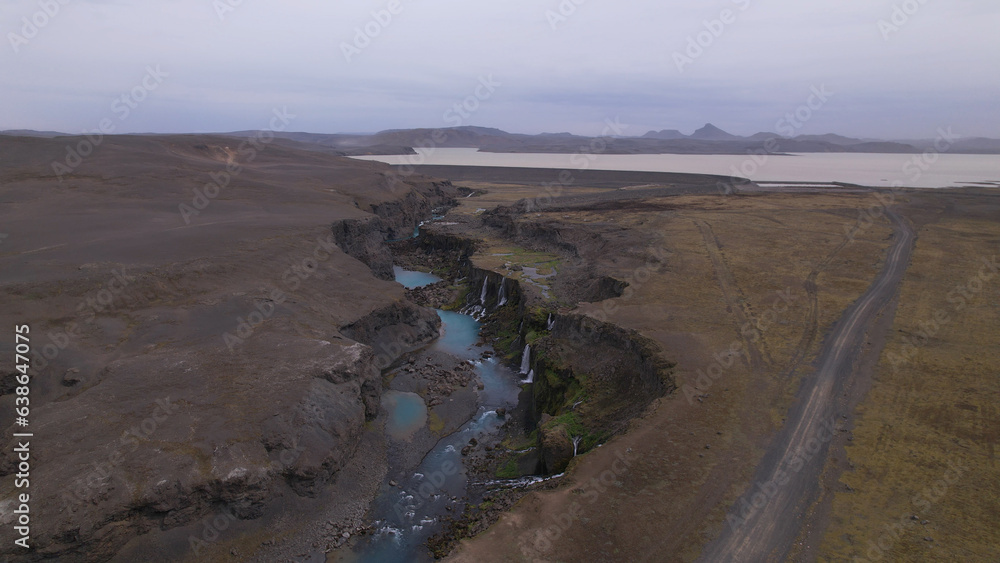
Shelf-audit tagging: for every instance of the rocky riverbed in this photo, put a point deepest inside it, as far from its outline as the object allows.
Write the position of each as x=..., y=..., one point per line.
x=211, y=382
x=436, y=295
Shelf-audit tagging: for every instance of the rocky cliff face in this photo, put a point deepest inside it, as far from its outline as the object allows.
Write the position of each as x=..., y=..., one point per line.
x=489, y=292
x=395, y=330
x=366, y=239
x=186, y=374
x=591, y=378
x=510, y=224
x=400, y=216
x=183, y=457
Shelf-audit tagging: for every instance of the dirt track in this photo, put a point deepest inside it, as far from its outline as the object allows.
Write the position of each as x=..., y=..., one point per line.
x=765, y=522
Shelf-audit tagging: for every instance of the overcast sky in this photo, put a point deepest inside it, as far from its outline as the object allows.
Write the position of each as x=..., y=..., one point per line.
x=229, y=63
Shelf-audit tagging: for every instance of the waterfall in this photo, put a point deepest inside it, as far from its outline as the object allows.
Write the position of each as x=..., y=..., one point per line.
x=475, y=311
x=526, y=359
x=551, y=323
x=576, y=443
x=501, y=294
x=530, y=378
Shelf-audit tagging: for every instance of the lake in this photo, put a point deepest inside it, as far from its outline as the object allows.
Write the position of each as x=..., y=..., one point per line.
x=412, y=280
x=880, y=170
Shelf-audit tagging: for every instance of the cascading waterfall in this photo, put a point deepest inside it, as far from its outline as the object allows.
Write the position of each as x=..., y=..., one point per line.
x=551, y=323
x=530, y=378
x=502, y=294
x=478, y=310
x=526, y=365
x=576, y=444
x=520, y=483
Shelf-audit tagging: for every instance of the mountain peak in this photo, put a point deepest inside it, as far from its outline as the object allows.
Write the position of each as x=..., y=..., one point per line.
x=712, y=133
x=667, y=134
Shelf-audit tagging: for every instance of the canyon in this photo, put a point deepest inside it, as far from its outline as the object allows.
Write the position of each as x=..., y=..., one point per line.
x=597, y=371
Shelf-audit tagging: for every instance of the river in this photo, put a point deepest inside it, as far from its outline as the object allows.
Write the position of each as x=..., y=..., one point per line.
x=878, y=170
x=405, y=516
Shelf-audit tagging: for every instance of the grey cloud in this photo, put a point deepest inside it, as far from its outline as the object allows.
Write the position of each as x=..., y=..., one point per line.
x=602, y=60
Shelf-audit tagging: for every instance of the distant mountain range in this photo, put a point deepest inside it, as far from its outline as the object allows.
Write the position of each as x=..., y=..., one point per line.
x=972, y=145
x=706, y=140
x=30, y=133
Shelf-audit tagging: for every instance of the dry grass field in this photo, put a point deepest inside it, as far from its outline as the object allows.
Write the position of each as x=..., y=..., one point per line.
x=926, y=480
x=767, y=273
